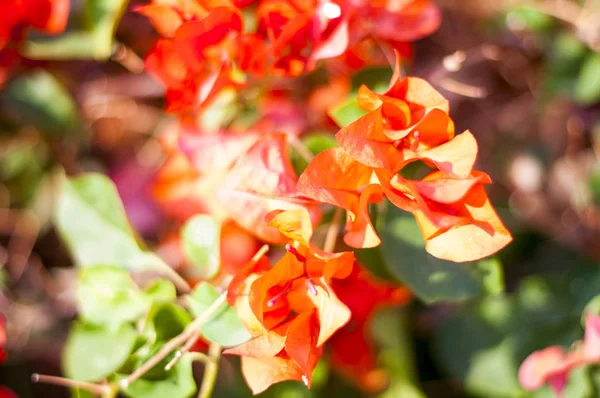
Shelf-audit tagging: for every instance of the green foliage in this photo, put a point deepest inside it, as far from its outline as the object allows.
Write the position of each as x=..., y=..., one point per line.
x=430, y=278
x=39, y=99
x=315, y=143
x=488, y=339
x=346, y=112
x=165, y=321
x=391, y=330
x=225, y=327
x=201, y=244
x=587, y=86
x=529, y=18
x=92, y=222
x=93, y=353
x=178, y=383
x=106, y=295
x=101, y=18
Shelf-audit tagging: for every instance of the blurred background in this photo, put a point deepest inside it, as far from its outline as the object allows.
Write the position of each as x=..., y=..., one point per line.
x=524, y=80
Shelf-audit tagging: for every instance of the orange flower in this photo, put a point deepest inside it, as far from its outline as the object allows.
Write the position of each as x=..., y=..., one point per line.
x=352, y=351
x=409, y=122
x=334, y=177
x=195, y=61
x=260, y=181
x=268, y=299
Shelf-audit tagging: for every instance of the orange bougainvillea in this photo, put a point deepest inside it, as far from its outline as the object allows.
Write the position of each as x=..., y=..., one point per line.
x=291, y=308
x=409, y=123
x=256, y=56
x=206, y=46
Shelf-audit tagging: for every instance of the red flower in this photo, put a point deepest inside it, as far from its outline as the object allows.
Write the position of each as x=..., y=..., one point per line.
x=352, y=351
x=49, y=16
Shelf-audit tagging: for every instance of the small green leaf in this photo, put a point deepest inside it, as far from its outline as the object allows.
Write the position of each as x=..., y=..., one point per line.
x=592, y=308
x=38, y=98
x=377, y=78
x=93, y=353
x=106, y=295
x=178, y=383
x=161, y=290
x=95, y=42
x=225, y=327
x=92, y=222
x=587, y=86
x=315, y=143
x=430, y=278
x=201, y=244
x=347, y=112
x=497, y=363
x=529, y=18
x=491, y=274
x=165, y=321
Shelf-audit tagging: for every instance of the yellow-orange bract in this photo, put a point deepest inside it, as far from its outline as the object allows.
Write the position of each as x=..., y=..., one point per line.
x=409, y=123
x=290, y=309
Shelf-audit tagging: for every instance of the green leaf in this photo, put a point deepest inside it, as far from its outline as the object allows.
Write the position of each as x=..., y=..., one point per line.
x=315, y=143
x=498, y=364
x=201, y=244
x=106, y=295
x=489, y=339
x=179, y=383
x=165, y=321
x=529, y=18
x=225, y=327
x=92, y=222
x=347, y=112
x=38, y=98
x=161, y=290
x=587, y=86
x=95, y=42
x=430, y=278
x=93, y=353
x=377, y=78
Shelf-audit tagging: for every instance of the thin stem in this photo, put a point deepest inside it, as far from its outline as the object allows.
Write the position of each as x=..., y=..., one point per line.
x=200, y=357
x=174, y=277
x=176, y=341
x=210, y=371
x=97, y=389
x=188, y=345
x=333, y=231
x=301, y=149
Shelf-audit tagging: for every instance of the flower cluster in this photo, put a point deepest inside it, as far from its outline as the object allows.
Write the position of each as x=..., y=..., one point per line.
x=261, y=55
x=210, y=45
x=409, y=123
x=552, y=365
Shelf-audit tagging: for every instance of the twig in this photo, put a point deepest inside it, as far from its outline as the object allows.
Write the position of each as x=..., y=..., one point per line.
x=175, y=342
x=174, y=277
x=97, y=389
x=188, y=345
x=333, y=231
x=301, y=149
x=210, y=371
x=464, y=89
